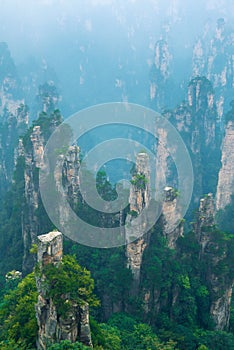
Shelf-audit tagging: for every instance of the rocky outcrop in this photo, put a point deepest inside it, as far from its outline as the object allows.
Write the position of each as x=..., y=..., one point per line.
x=226, y=173
x=32, y=150
x=197, y=122
x=9, y=81
x=205, y=218
x=14, y=124
x=199, y=60
x=173, y=227
x=214, y=249
x=160, y=76
x=213, y=58
x=139, y=199
x=37, y=140
x=70, y=173
x=48, y=97
x=33, y=161
x=140, y=189
x=13, y=117
x=52, y=327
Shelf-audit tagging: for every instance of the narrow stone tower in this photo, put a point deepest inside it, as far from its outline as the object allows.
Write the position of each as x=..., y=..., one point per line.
x=214, y=251
x=52, y=327
x=139, y=199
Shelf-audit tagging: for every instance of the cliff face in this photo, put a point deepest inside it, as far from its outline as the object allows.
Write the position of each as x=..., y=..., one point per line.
x=215, y=60
x=205, y=218
x=226, y=173
x=33, y=161
x=214, y=249
x=71, y=181
x=48, y=97
x=160, y=76
x=13, y=124
x=196, y=120
x=32, y=224
x=52, y=328
x=139, y=199
x=171, y=215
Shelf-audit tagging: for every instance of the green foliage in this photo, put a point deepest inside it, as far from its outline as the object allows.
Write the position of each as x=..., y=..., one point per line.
x=69, y=283
x=34, y=249
x=175, y=281
x=225, y=218
x=104, y=187
x=135, y=335
x=98, y=338
x=108, y=268
x=105, y=336
x=67, y=345
x=107, y=193
x=47, y=123
x=140, y=181
x=11, y=245
x=133, y=213
x=184, y=279
x=112, y=337
x=202, y=347
x=18, y=325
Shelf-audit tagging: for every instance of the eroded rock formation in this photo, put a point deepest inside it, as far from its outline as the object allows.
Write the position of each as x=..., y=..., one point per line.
x=214, y=249
x=173, y=227
x=213, y=58
x=52, y=327
x=226, y=173
x=33, y=153
x=196, y=120
x=139, y=199
x=160, y=76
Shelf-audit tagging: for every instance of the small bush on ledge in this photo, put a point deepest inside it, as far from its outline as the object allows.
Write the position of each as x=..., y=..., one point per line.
x=139, y=181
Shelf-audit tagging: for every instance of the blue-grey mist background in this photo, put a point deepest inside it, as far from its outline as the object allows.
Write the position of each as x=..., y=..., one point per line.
x=98, y=51
x=101, y=50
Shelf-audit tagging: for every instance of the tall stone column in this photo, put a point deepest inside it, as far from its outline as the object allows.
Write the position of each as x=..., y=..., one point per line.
x=53, y=328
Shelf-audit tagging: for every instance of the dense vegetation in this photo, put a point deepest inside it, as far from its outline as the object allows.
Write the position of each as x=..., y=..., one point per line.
x=172, y=307
x=119, y=319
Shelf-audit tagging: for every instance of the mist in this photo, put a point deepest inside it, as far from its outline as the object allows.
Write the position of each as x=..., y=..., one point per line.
x=101, y=50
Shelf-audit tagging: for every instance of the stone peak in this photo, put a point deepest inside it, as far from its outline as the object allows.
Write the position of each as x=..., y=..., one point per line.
x=48, y=237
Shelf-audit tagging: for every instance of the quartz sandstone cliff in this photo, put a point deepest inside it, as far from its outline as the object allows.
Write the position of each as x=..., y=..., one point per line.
x=139, y=199
x=226, y=173
x=33, y=154
x=215, y=253
x=213, y=58
x=52, y=327
x=160, y=75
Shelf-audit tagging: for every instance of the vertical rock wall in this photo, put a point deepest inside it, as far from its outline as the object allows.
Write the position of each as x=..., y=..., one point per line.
x=214, y=251
x=139, y=199
x=226, y=173
x=54, y=328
